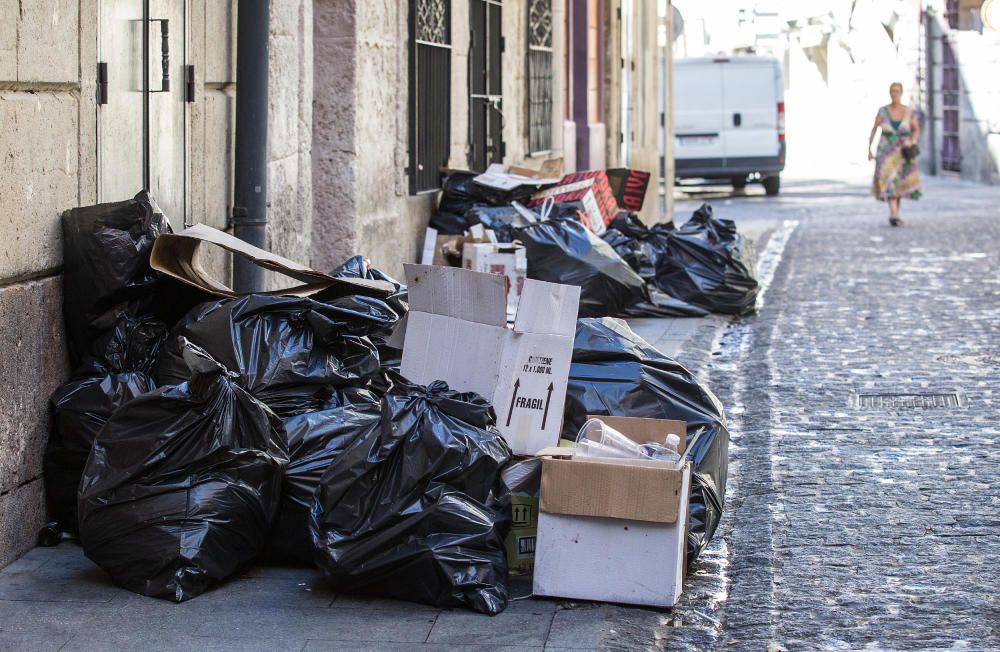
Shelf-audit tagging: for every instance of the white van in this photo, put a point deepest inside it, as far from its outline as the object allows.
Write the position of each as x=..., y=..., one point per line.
x=729, y=120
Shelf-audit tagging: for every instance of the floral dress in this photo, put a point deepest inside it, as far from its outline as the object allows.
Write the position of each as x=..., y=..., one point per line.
x=894, y=175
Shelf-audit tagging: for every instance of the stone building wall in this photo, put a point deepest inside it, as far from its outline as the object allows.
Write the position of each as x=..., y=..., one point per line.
x=360, y=153
x=48, y=163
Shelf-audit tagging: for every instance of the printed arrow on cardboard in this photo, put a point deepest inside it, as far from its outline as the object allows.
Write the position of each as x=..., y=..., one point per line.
x=510, y=412
x=548, y=399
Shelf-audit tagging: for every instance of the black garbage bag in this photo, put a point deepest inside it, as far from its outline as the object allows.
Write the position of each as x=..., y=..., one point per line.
x=106, y=263
x=288, y=352
x=615, y=372
x=709, y=264
x=502, y=220
x=626, y=247
x=415, y=509
x=182, y=483
x=385, y=336
x=639, y=245
x=315, y=440
x=80, y=408
x=562, y=250
x=460, y=194
x=130, y=339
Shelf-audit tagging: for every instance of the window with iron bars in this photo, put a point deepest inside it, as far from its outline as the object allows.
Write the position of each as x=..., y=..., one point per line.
x=430, y=92
x=539, y=75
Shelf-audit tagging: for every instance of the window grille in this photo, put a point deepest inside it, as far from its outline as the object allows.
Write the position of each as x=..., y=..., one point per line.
x=430, y=92
x=539, y=75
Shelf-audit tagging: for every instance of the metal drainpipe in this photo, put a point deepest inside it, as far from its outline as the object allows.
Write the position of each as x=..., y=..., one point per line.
x=250, y=172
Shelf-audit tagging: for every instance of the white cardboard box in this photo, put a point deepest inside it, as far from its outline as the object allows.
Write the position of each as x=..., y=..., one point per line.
x=507, y=260
x=457, y=332
x=610, y=529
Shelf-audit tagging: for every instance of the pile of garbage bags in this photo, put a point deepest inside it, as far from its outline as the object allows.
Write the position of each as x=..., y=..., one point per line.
x=709, y=264
x=201, y=432
x=630, y=269
x=616, y=373
x=196, y=438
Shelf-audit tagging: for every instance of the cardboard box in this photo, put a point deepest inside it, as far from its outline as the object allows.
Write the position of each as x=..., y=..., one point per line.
x=523, y=478
x=507, y=260
x=446, y=250
x=592, y=189
x=178, y=255
x=629, y=188
x=614, y=530
x=457, y=332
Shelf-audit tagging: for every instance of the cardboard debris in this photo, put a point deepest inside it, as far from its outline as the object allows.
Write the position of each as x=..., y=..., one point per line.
x=590, y=188
x=509, y=177
x=506, y=259
x=457, y=332
x=178, y=255
x=614, y=529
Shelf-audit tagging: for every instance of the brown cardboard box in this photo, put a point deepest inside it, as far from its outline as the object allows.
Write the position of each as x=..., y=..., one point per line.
x=613, y=529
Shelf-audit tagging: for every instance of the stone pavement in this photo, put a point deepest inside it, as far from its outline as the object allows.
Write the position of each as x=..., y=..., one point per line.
x=853, y=520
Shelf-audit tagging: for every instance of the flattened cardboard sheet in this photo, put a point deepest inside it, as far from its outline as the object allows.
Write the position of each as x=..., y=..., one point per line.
x=178, y=255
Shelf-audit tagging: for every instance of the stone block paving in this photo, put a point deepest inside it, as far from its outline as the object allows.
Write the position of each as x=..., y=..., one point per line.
x=862, y=528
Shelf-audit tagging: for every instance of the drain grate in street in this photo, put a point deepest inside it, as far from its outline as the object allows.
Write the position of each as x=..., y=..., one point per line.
x=981, y=359
x=907, y=401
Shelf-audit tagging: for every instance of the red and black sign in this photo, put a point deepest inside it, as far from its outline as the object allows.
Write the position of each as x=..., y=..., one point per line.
x=629, y=187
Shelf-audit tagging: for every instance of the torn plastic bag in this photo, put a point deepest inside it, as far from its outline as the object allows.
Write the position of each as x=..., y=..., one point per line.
x=315, y=440
x=415, y=508
x=80, y=408
x=562, y=250
x=182, y=483
x=710, y=265
x=289, y=352
x=615, y=372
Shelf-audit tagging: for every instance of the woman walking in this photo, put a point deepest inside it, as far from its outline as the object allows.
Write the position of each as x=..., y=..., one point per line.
x=896, y=174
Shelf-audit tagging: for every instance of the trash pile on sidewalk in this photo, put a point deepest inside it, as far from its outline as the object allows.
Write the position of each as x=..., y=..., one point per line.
x=420, y=441
x=583, y=229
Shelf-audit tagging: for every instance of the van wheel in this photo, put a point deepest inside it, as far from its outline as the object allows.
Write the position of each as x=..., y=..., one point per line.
x=739, y=183
x=772, y=185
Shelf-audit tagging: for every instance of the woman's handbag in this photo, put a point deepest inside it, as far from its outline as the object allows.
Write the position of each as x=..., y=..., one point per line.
x=910, y=152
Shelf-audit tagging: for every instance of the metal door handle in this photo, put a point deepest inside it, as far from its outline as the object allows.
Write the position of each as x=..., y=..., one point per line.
x=164, y=54
x=737, y=119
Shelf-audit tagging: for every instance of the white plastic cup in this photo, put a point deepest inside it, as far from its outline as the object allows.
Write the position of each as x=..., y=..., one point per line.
x=598, y=439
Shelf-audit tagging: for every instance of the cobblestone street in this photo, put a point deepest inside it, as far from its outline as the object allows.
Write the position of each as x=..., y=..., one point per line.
x=862, y=510
x=854, y=519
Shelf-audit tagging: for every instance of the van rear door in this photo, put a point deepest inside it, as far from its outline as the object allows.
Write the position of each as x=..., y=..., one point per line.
x=751, y=109
x=698, y=116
